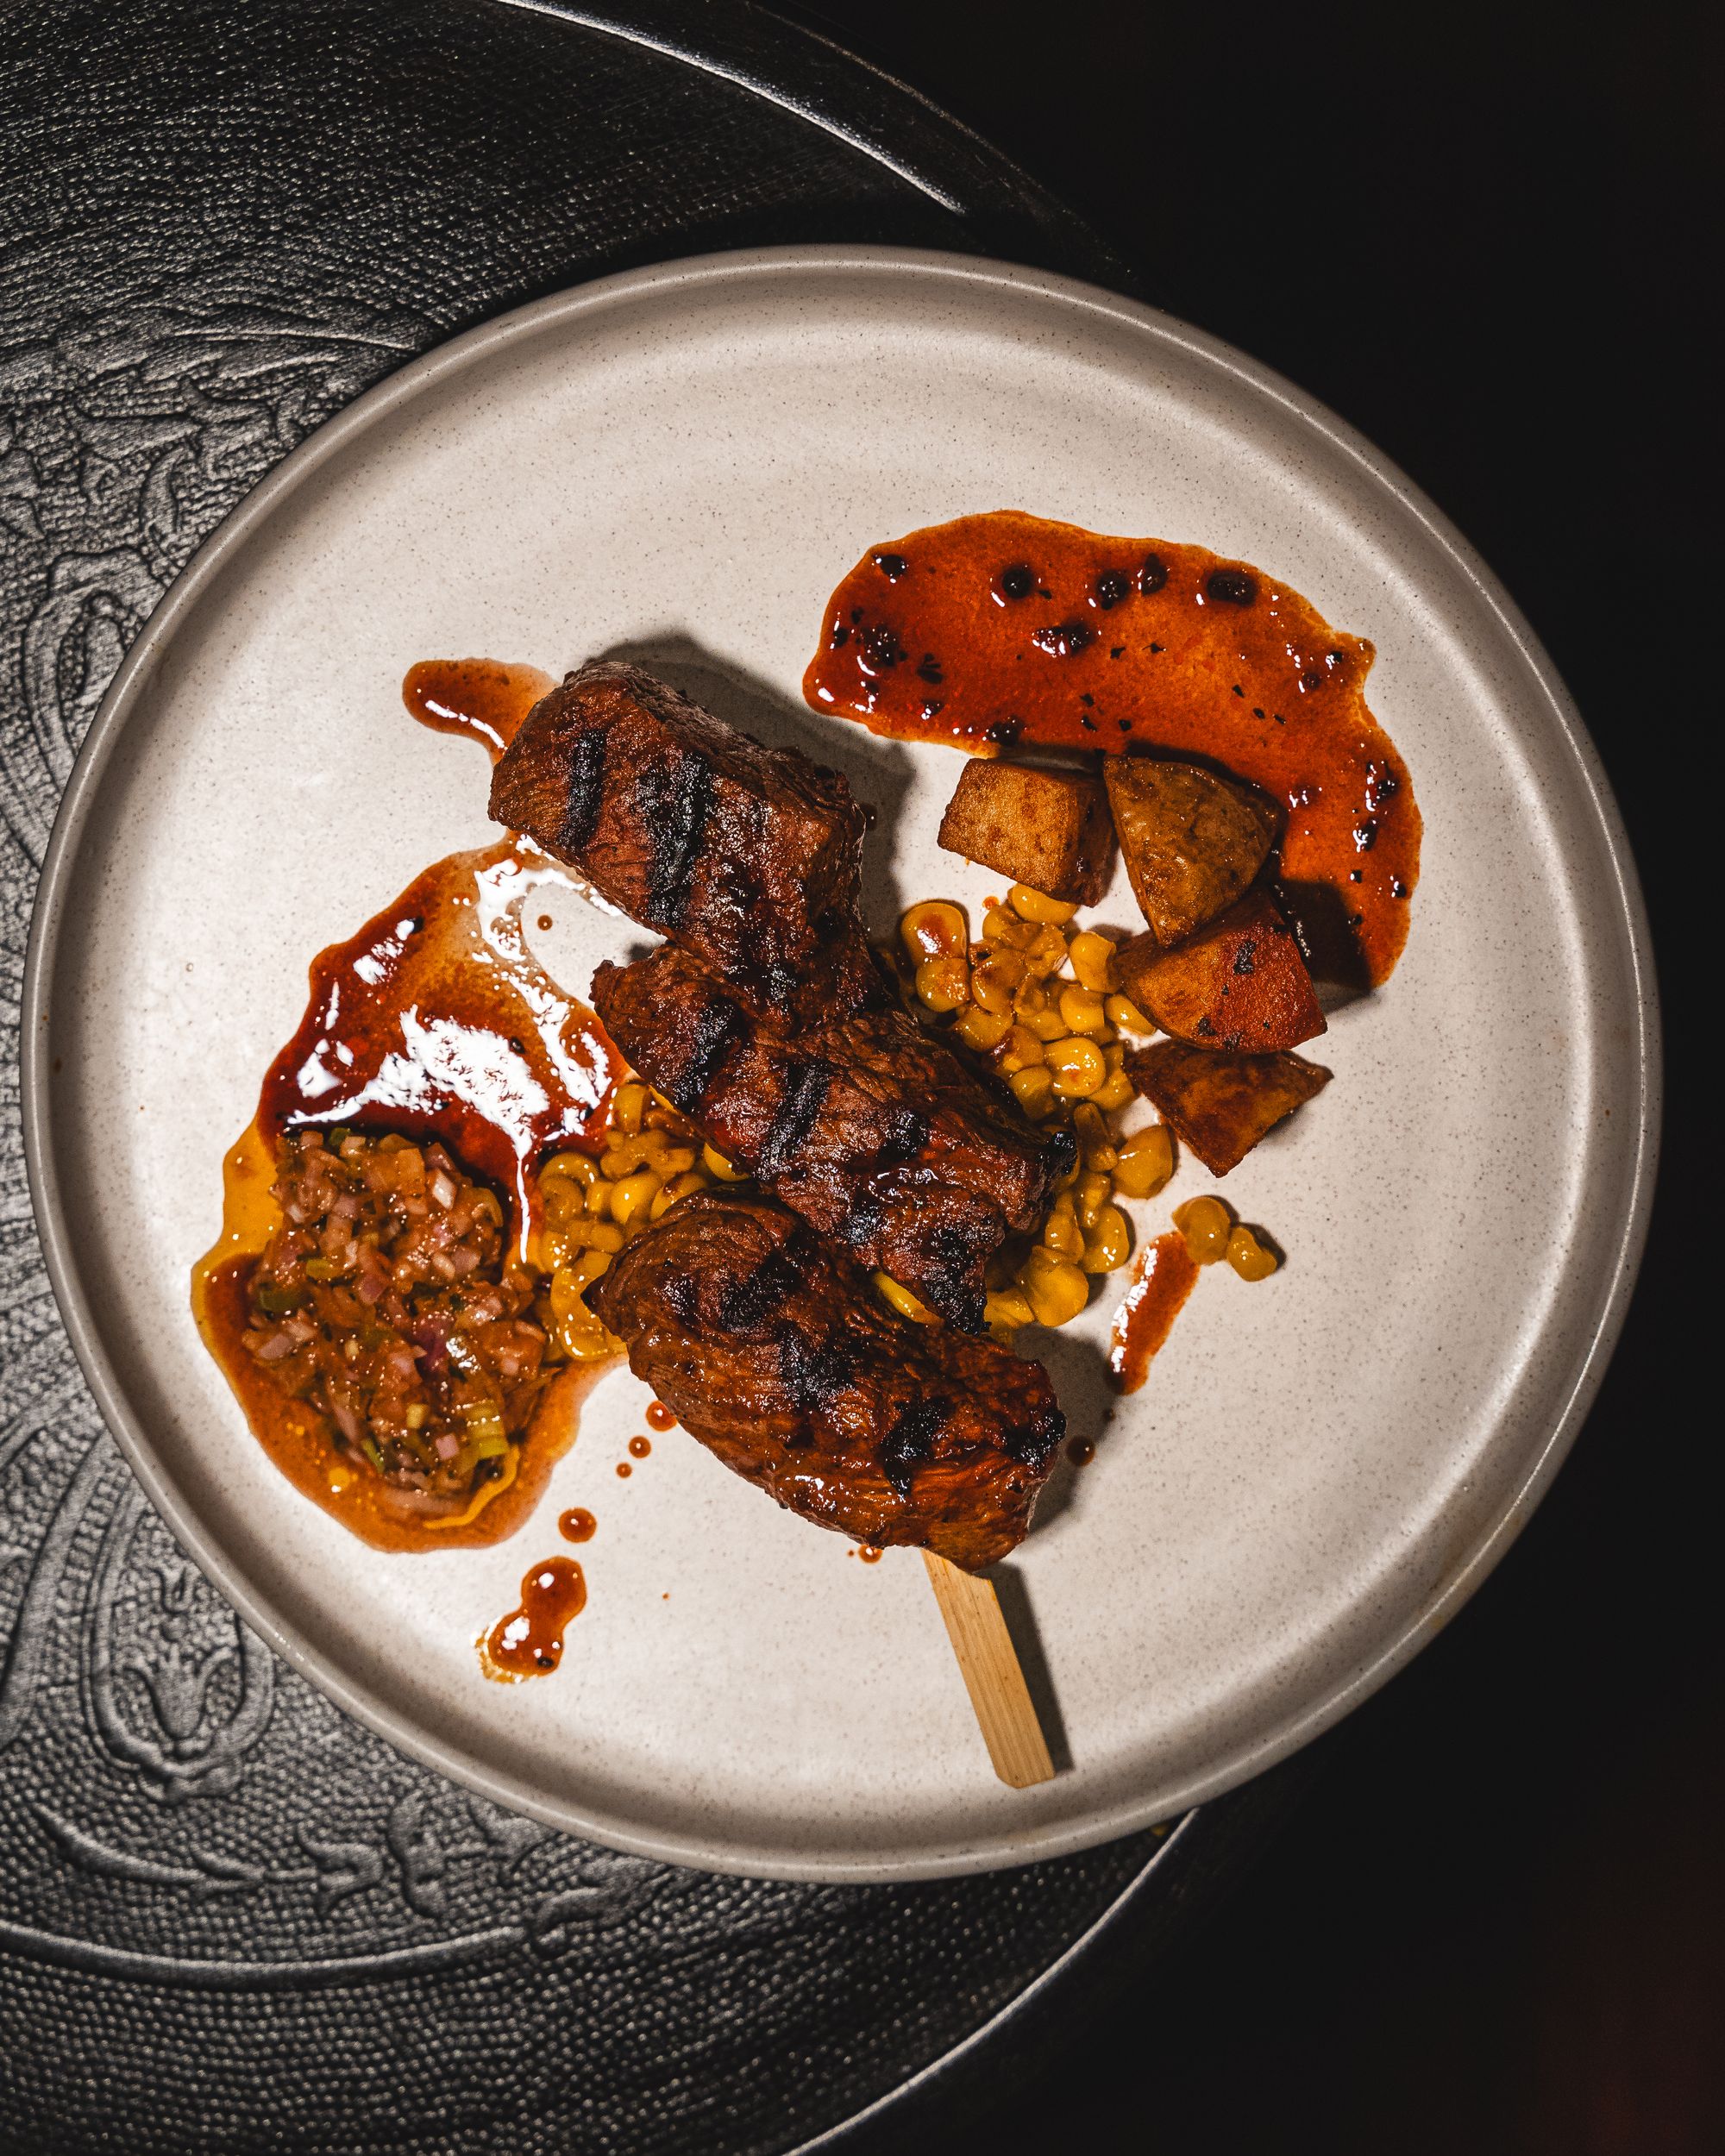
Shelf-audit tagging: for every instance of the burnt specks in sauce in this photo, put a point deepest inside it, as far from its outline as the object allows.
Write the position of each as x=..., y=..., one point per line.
x=1016, y=582
x=1060, y=640
x=1190, y=627
x=891, y=565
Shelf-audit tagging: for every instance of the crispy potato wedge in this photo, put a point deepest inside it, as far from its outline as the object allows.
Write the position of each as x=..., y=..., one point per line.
x=1191, y=841
x=1240, y=984
x=1048, y=828
x=1221, y=1106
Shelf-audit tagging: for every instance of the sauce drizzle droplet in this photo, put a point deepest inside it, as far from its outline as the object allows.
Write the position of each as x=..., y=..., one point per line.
x=482, y=699
x=1164, y=1276
x=660, y=1418
x=577, y=1525
x=640, y=1447
x=529, y=1642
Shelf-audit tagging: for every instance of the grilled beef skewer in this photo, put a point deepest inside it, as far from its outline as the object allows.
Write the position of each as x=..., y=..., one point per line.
x=869, y=1128
x=750, y=856
x=771, y=1348
x=766, y=1018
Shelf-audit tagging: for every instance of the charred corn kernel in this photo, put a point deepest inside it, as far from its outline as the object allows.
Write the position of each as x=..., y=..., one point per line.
x=1020, y=1049
x=1093, y=1192
x=1092, y=960
x=1066, y=1181
x=1047, y=955
x=629, y=1106
x=576, y=1166
x=1047, y=1025
x=720, y=1168
x=1077, y=1067
x=1033, y=1086
x=1095, y=1140
x=981, y=1028
x=634, y=1195
x=1248, y=1256
x=1082, y=1008
x=1146, y=1162
x=1037, y=905
x=1029, y=997
x=1206, y=1225
x=936, y=928
x=996, y=978
x=1061, y=1230
x=679, y=1186
x=903, y=1302
x=1108, y=1245
x=1007, y=1309
x=1121, y=1011
x=1054, y=1287
x=1002, y=926
x=943, y=983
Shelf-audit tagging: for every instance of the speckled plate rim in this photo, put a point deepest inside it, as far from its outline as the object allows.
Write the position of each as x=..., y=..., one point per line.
x=1623, y=902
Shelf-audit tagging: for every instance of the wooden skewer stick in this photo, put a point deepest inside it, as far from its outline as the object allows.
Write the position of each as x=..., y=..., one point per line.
x=990, y=1669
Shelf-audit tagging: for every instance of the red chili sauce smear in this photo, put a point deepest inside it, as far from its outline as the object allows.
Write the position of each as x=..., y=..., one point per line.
x=529, y=1642
x=436, y=1021
x=577, y=1525
x=1006, y=628
x=481, y=699
x=1164, y=1276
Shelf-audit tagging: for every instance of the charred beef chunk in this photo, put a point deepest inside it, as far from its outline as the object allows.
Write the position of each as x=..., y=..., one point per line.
x=773, y=1349
x=748, y=856
x=867, y=1126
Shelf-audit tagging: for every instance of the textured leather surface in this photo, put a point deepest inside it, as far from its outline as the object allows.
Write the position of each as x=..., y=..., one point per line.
x=230, y=1920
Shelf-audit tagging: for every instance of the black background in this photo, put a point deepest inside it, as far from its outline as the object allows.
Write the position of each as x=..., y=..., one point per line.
x=1496, y=1922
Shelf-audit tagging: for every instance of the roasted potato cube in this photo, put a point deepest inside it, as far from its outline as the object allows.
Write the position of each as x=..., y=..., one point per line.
x=1191, y=841
x=1221, y=1106
x=1240, y=984
x=1048, y=828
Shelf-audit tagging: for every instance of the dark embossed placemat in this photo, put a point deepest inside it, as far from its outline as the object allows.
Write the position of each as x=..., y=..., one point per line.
x=231, y=1919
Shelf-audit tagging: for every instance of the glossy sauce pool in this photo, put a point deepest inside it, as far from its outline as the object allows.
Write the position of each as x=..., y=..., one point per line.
x=1004, y=628
x=435, y=1020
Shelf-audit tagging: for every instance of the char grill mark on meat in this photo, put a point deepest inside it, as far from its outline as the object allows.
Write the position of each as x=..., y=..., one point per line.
x=750, y=856
x=770, y=1347
x=807, y=1086
x=870, y=1129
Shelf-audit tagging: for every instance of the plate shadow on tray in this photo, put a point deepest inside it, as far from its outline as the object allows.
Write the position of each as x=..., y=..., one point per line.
x=879, y=771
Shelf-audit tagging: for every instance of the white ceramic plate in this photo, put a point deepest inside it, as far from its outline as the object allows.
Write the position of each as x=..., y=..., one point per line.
x=681, y=462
